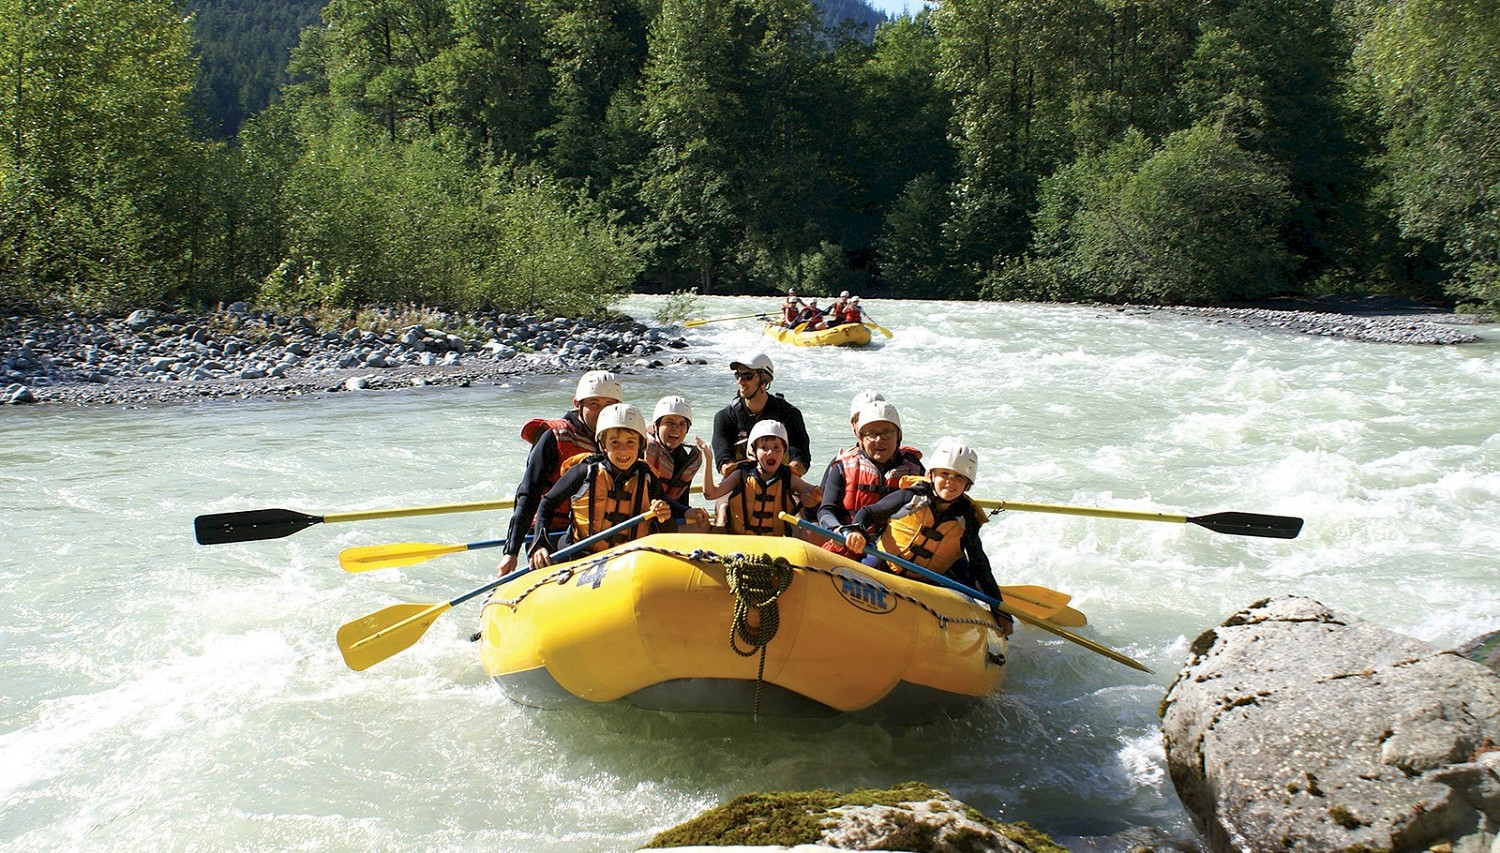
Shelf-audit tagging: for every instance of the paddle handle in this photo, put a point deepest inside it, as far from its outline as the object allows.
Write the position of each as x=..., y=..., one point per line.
x=435, y=509
x=1124, y=514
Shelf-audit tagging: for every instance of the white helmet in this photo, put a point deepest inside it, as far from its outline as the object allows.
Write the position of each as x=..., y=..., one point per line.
x=861, y=400
x=620, y=416
x=875, y=412
x=599, y=383
x=762, y=429
x=756, y=361
x=672, y=405
x=954, y=455
x=843, y=294
x=854, y=299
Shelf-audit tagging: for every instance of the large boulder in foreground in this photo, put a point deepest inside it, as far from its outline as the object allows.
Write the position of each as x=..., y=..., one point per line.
x=910, y=817
x=1296, y=728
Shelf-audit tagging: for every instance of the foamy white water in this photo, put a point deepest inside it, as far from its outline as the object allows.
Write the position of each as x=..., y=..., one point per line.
x=155, y=693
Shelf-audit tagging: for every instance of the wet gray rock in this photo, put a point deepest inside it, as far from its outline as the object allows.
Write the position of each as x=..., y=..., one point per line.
x=1372, y=321
x=1297, y=728
x=154, y=356
x=1483, y=650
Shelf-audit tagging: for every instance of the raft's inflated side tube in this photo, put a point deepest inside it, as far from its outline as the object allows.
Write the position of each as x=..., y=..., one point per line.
x=653, y=628
x=842, y=335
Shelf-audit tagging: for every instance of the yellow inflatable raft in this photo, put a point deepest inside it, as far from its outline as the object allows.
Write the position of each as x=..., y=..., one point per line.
x=843, y=335
x=650, y=623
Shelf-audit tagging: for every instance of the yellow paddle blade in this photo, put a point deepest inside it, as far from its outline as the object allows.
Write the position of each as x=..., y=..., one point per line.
x=879, y=328
x=364, y=558
x=371, y=639
x=1043, y=603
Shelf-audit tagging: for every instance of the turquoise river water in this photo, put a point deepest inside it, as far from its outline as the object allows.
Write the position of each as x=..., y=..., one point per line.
x=156, y=694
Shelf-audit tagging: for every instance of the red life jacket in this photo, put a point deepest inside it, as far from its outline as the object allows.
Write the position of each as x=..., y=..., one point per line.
x=570, y=443
x=864, y=483
x=675, y=482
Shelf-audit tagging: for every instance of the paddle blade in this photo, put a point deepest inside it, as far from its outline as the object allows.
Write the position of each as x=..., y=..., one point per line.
x=371, y=639
x=368, y=557
x=1043, y=603
x=250, y=525
x=1250, y=524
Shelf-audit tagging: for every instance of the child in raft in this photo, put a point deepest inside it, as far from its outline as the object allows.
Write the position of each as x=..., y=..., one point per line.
x=760, y=490
x=673, y=462
x=605, y=488
x=932, y=522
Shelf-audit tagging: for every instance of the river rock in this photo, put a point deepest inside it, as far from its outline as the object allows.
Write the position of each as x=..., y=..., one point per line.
x=912, y=817
x=1297, y=728
x=1484, y=649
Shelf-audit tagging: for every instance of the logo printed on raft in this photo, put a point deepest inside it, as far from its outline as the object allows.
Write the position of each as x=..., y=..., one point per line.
x=865, y=593
x=593, y=575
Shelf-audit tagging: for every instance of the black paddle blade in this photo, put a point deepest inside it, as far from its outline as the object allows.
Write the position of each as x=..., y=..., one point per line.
x=250, y=525
x=1251, y=524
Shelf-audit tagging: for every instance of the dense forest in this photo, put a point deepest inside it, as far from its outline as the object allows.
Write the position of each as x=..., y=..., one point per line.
x=551, y=154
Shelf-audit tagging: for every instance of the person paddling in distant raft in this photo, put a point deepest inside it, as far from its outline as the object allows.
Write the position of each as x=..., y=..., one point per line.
x=605, y=488
x=932, y=522
x=810, y=317
x=553, y=442
x=672, y=461
x=837, y=309
x=759, y=491
x=866, y=472
x=791, y=306
x=852, y=312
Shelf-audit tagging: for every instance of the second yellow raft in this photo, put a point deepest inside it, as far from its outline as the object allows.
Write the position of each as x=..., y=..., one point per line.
x=843, y=335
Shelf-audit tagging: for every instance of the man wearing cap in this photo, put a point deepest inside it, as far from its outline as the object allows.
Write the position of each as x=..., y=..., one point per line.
x=753, y=403
x=553, y=442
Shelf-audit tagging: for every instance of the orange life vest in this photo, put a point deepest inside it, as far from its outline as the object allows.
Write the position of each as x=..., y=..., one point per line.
x=675, y=482
x=607, y=498
x=927, y=537
x=570, y=443
x=755, y=504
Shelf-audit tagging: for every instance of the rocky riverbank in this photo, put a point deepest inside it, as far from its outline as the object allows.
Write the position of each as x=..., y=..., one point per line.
x=1374, y=319
x=161, y=357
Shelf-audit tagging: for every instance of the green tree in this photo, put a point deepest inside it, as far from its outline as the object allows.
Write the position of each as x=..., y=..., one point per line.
x=898, y=152
x=1271, y=72
x=1195, y=220
x=1009, y=66
x=693, y=70
x=374, y=58
x=97, y=159
x=1434, y=71
x=594, y=49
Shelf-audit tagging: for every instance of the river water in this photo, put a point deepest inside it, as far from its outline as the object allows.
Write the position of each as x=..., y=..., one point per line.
x=159, y=694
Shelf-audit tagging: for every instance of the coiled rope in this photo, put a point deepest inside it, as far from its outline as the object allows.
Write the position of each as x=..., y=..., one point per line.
x=755, y=582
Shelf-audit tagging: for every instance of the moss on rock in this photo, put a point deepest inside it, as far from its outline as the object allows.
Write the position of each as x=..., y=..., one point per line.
x=790, y=818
